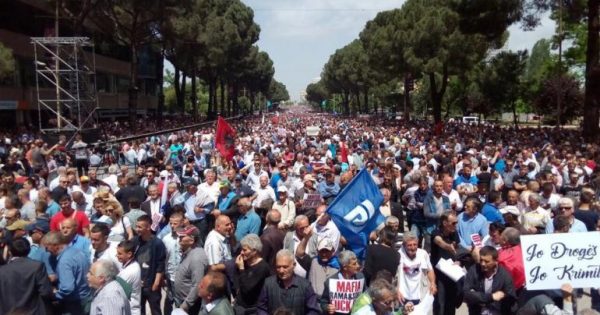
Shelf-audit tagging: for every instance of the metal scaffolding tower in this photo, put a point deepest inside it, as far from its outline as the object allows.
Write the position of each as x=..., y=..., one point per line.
x=65, y=70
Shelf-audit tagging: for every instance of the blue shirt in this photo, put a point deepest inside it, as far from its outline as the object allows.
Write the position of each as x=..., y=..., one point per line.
x=52, y=208
x=327, y=190
x=469, y=226
x=40, y=254
x=491, y=213
x=224, y=202
x=83, y=244
x=576, y=227
x=248, y=223
x=462, y=180
x=189, y=203
x=71, y=269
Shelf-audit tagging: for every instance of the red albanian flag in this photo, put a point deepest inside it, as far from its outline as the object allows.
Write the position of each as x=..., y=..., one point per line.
x=224, y=140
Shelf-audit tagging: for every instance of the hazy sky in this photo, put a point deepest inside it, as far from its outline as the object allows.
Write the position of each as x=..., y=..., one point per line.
x=300, y=35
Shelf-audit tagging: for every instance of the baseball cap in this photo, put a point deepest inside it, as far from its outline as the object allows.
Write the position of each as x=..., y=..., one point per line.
x=84, y=179
x=325, y=243
x=18, y=225
x=190, y=181
x=510, y=209
x=238, y=178
x=282, y=189
x=40, y=225
x=224, y=184
x=309, y=177
x=164, y=173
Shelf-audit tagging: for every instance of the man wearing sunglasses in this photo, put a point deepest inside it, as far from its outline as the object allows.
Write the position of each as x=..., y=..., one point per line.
x=566, y=208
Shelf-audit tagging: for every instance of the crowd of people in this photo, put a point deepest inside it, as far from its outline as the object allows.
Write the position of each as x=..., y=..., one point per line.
x=165, y=225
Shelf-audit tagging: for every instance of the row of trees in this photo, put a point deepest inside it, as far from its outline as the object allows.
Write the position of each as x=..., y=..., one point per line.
x=211, y=44
x=449, y=53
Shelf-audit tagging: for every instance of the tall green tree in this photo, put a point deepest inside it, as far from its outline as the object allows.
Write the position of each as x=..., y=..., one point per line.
x=277, y=92
x=134, y=23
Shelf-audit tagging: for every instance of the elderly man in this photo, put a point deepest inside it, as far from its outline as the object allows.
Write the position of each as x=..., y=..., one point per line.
x=511, y=257
x=71, y=267
x=219, y=243
x=192, y=268
x=272, y=237
x=349, y=270
x=324, y=228
x=293, y=238
x=414, y=266
x=536, y=218
x=265, y=195
x=109, y=296
x=566, y=207
x=286, y=208
x=248, y=222
x=213, y=292
x=285, y=289
x=320, y=266
x=68, y=228
x=472, y=225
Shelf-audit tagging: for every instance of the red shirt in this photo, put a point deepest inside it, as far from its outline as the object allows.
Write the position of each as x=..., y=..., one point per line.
x=511, y=258
x=80, y=217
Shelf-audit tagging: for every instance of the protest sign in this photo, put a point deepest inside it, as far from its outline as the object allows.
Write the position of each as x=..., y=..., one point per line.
x=312, y=201
x=312, y=131
x=551, y=260
x=342, y=293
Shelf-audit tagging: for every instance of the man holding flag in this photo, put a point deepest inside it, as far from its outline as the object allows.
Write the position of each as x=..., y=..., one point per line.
x=355, y=211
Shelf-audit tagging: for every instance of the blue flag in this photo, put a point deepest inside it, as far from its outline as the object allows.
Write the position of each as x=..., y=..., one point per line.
x=355, y=211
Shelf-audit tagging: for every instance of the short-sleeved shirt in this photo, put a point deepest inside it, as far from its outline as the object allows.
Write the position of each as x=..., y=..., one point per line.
x=82, y=221
x=437, y=252
x=411, y=272
x=217, y=248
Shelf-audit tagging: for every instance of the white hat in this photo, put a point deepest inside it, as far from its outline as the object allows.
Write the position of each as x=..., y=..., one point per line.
x=282, y=189
x=510, y=209
x=325, y=243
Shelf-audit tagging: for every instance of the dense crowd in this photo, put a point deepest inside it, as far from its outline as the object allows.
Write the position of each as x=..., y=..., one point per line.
x=165, y=223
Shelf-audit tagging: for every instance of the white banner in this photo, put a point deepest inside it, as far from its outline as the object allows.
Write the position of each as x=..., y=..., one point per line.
x=554, y=259
x=312, y=131
x=342, y=293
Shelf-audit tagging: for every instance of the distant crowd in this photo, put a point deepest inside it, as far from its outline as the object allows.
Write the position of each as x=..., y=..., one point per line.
x=166, y=225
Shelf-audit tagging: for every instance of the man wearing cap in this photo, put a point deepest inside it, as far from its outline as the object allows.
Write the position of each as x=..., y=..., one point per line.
x=23, y=282
x=241, y=189
x=329, y=188
x=286, y=207
x=192, y=268
x=320, y=267
x=248, y=222
x=226, y=197
x=301, y=195
x=85, y=187
x=37, y=231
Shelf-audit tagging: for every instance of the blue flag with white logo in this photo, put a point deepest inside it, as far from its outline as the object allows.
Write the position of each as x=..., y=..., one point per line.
x=355, y=211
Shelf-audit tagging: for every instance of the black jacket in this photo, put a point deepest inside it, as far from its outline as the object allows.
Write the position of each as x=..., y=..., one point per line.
x=475, y=296
x=24, y=284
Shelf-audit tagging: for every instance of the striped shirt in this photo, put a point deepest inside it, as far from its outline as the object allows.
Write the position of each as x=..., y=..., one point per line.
x=110, y=299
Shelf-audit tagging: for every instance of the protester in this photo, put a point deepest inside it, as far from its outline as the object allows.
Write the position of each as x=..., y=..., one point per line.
x=252, y=270
x=109, y=297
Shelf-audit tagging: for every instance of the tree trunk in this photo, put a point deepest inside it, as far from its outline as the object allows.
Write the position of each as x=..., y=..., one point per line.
x=211, y=97
x=592, y=73
x=222, y=109
x=183, y=84
x=437, y=96
x=513, y=105
x=366, y=100
x=194, y=96
x=177, y=85
x=346, y=103
x=357, y=99
x=161, y=96
x=236, y=100
x=133, y=88
x=252, y=101
x=406, y=98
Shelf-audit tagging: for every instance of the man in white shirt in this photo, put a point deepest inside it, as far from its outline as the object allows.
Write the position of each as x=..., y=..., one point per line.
x=131, y=273
x=414, y=265
x=263, y=193
x=101, y=248
x=218, y=243
x=286, y=207
x=452, y=194
x=210, y=185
